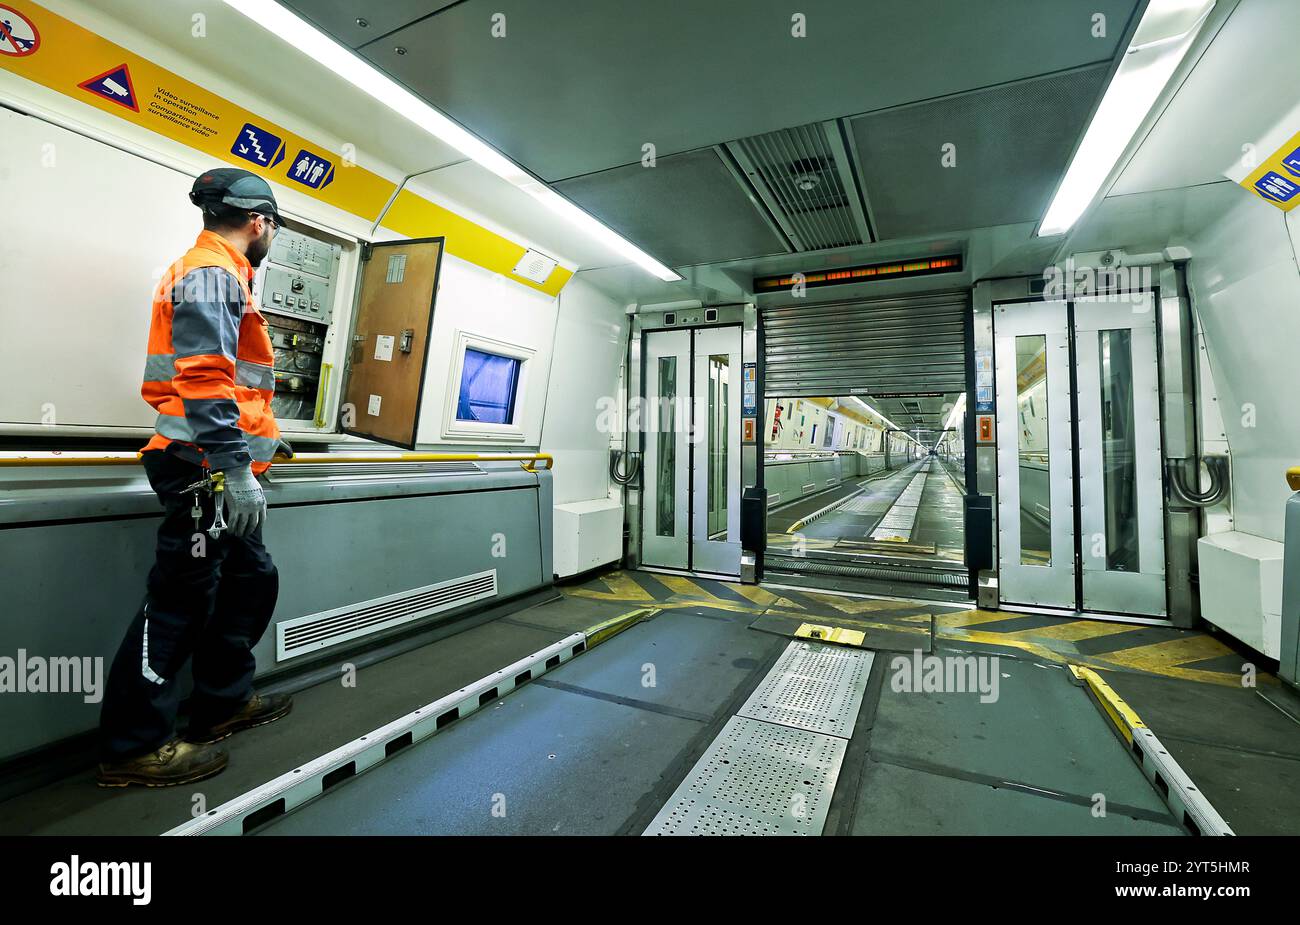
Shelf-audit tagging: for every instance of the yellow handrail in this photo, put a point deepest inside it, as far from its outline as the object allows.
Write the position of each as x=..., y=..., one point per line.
x=529, y=461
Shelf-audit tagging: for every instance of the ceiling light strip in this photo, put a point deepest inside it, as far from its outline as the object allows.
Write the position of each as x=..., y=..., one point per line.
x=316, y=45
x=1142, y=75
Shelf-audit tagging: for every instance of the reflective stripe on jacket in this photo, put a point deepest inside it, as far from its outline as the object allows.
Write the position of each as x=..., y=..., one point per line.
x=210, y=367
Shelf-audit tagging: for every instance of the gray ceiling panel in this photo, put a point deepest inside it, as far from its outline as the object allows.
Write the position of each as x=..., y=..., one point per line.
x=577, y=86
x=340, y=17
x=1012, y=145
x=687, y=209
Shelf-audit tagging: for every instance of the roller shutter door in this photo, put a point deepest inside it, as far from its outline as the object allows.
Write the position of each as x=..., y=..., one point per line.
x=877, y=347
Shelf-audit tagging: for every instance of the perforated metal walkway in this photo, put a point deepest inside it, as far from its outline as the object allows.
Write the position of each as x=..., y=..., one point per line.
x=773, y=768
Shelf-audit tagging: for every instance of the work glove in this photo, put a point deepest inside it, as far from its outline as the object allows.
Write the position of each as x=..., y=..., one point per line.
x=245, y=502
x=285, y=449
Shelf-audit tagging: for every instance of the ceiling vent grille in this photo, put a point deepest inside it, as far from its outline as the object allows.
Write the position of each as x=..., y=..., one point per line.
x=804, y=177
x=313, y=632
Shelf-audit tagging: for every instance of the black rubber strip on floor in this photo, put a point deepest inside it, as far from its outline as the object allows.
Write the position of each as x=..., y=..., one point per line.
x=623, y=701
x=844, y=801
x=649, y=805
x=926, y=767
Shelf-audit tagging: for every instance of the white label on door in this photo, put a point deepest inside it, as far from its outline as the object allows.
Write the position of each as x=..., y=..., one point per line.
x=396, y=268
x=373, y=409
x=384, y=347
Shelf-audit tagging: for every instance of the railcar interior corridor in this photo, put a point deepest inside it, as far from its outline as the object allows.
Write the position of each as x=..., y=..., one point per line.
x=614, y=418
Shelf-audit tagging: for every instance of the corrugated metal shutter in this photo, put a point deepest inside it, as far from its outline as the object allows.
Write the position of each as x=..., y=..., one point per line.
x=911, y=344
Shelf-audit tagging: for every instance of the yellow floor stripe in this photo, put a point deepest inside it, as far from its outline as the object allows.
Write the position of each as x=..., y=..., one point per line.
x=685, y=587
x=760, y=596
x=1075, y=630
x=954, y=620
x=621, y=588
x=786, y=604
x=1160, y=656
x=859, y=605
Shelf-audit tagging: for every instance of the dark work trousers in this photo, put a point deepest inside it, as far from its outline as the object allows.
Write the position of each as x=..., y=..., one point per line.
x=209, y=601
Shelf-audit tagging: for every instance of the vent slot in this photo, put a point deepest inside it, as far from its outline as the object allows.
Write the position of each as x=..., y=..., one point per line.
x=330, y=628
x=804, y=178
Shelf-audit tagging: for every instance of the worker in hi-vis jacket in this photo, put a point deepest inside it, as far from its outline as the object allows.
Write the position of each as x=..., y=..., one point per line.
x=211, y=592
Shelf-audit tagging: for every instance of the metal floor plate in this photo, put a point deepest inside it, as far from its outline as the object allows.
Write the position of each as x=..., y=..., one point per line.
x=814, y=687
x=756, y=778
x=897, y=524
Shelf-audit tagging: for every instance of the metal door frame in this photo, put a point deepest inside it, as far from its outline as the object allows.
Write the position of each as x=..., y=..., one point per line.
x=1147, y=586
x=720, y=557
x=666, y=551
x=1050, y=585
x=1141, y=592
x=689, y=548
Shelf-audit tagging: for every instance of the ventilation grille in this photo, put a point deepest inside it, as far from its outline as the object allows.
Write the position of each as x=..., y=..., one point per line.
x=803, y=177
x=316, y=472
x=311, y=633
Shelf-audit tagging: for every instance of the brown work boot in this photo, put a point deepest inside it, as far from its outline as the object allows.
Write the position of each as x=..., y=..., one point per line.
x=257, y=712
x=175, y=763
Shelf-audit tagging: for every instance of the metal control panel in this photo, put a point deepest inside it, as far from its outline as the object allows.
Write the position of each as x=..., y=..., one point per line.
x=295, y=290
x=298, y=277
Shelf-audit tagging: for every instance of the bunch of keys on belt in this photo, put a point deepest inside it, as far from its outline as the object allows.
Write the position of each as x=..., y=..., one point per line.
x=214, y=483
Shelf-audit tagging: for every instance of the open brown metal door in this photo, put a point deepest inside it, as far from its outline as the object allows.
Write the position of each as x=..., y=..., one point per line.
x=390, y=340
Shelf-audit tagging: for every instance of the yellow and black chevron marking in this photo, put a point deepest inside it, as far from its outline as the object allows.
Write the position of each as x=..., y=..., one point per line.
x=1158, y=650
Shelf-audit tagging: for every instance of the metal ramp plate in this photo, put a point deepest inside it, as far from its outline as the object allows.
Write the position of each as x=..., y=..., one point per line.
x=898, y=522
x=756, y=778
x=814, y=687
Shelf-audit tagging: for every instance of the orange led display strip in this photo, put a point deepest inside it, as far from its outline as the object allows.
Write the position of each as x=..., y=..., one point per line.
x=948, y=264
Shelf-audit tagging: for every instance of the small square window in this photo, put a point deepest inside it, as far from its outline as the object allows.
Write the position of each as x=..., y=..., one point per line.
x=488, y=384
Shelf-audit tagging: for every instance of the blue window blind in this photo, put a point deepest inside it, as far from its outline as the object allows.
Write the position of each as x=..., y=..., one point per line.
x=487, y=388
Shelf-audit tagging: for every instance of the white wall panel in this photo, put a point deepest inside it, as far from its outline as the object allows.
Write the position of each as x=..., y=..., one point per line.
x=79, y=264
x=482, y=303
x=1246, y=289
x=590, y=341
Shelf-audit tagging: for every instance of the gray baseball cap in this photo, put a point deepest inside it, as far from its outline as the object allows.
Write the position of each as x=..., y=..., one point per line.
x=237, y=188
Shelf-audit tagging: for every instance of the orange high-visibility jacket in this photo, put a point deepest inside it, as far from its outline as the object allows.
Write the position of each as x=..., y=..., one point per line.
x=210, y=369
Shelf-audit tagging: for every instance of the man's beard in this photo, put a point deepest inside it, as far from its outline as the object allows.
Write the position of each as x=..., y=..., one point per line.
x=258, y=250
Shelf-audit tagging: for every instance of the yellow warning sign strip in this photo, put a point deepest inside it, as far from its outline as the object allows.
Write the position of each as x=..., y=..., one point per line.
x=57, y=53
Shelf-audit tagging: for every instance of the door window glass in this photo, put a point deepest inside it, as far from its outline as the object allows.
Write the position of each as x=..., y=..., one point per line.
x=719, y=383
x=666, y=476
x=1118, y=449
x=1033, y=451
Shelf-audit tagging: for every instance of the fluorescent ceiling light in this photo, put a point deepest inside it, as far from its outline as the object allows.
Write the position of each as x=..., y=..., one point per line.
x=279, y=21
x=953, y=417
x=872, y=411
x=956, y=412
x=1167, y=30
